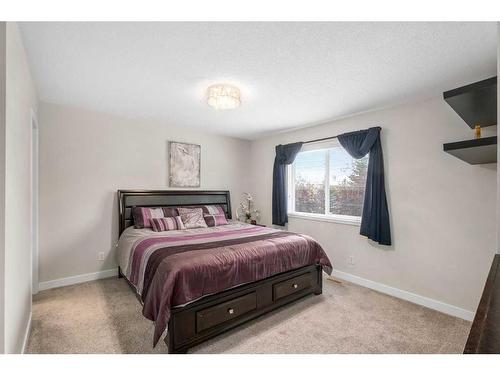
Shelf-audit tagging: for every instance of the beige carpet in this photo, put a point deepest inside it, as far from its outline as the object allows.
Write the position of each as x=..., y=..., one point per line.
x=105, y=317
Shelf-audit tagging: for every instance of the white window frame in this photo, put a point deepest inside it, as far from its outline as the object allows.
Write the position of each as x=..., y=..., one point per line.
x=327, y=216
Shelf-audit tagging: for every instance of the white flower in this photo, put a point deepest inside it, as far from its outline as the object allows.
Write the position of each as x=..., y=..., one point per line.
x=248, y=196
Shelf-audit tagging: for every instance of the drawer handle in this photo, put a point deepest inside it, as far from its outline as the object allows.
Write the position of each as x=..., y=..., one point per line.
x=295, y=286
x=230, y=311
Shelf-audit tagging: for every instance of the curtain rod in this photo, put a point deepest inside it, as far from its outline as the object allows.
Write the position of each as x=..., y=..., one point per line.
x=336, y=136
x=320, y=139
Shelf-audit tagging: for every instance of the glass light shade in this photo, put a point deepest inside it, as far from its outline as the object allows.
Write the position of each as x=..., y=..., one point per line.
x=223, y=97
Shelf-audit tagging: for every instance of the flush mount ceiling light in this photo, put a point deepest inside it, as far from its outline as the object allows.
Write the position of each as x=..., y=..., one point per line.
x=221, y=96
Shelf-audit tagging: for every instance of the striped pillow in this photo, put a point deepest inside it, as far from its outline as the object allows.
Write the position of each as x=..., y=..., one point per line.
x=215, y=209
x=170, y=211
x=167, y=223
x=215, y=220
x=143, y=215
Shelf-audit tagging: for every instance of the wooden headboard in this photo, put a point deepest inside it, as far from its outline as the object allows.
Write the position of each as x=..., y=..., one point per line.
x=167, y=198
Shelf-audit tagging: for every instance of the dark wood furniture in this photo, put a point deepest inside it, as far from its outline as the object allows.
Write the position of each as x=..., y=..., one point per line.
x=167, y=198
x=214, y=314
x=474, y=151
x=484, y=336
x=476, y=104
x=218, y=313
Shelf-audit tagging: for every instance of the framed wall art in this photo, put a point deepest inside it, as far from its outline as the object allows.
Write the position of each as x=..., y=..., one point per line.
x=184, y=164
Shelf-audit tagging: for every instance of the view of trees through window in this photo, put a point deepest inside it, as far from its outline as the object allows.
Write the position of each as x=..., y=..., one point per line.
x=332, y=170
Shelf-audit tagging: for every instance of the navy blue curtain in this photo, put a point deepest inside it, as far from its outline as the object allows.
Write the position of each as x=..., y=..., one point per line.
x=285, y=154
x=375, y=219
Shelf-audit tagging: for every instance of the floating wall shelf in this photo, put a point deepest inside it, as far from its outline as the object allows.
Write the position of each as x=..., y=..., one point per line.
x=476, y=103
x=474, y=151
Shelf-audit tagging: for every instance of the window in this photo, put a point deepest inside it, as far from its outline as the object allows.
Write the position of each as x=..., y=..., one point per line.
x=325, y=182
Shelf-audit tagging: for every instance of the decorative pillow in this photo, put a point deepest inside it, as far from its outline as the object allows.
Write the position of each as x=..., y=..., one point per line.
x=215, y=220
x=142, y=216
x=192, y=217
x=213, y=210
x=167, y=223
x=170, y=211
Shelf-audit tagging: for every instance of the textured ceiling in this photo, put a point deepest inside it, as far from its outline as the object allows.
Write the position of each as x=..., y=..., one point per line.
x=290, y=74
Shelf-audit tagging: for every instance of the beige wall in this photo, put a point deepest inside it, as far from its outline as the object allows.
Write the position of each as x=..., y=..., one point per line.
x=85, y=157
x=442, y=209
x=20, y=101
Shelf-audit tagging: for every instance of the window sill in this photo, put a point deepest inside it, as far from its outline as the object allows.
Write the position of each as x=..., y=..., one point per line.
x=339, y=219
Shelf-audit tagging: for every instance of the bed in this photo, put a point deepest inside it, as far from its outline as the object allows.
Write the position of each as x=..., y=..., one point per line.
x=198, y=283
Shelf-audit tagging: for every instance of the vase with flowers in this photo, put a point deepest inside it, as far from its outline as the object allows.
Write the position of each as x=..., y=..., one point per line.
x=246, y=211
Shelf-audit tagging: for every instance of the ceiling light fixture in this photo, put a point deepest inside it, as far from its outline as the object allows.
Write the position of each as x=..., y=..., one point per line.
x=221, y=96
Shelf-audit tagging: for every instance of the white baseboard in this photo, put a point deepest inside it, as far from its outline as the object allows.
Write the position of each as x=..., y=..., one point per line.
x=26, y=335
x=44, y=285
x=395, y=292
x=407, y=296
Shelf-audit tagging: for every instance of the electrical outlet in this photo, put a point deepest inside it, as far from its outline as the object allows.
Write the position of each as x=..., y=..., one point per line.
x=101, y=256
x=351, y=260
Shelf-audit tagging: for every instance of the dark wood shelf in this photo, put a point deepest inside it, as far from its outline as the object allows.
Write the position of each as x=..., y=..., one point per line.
x=474, y=151
x=475, y=103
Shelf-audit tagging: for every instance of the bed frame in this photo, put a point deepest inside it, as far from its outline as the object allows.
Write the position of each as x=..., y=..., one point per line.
x=214, y=314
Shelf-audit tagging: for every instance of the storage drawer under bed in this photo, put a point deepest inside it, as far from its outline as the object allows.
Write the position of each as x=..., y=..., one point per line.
x=211, y=315
x=226, y=311
x=292, y=285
